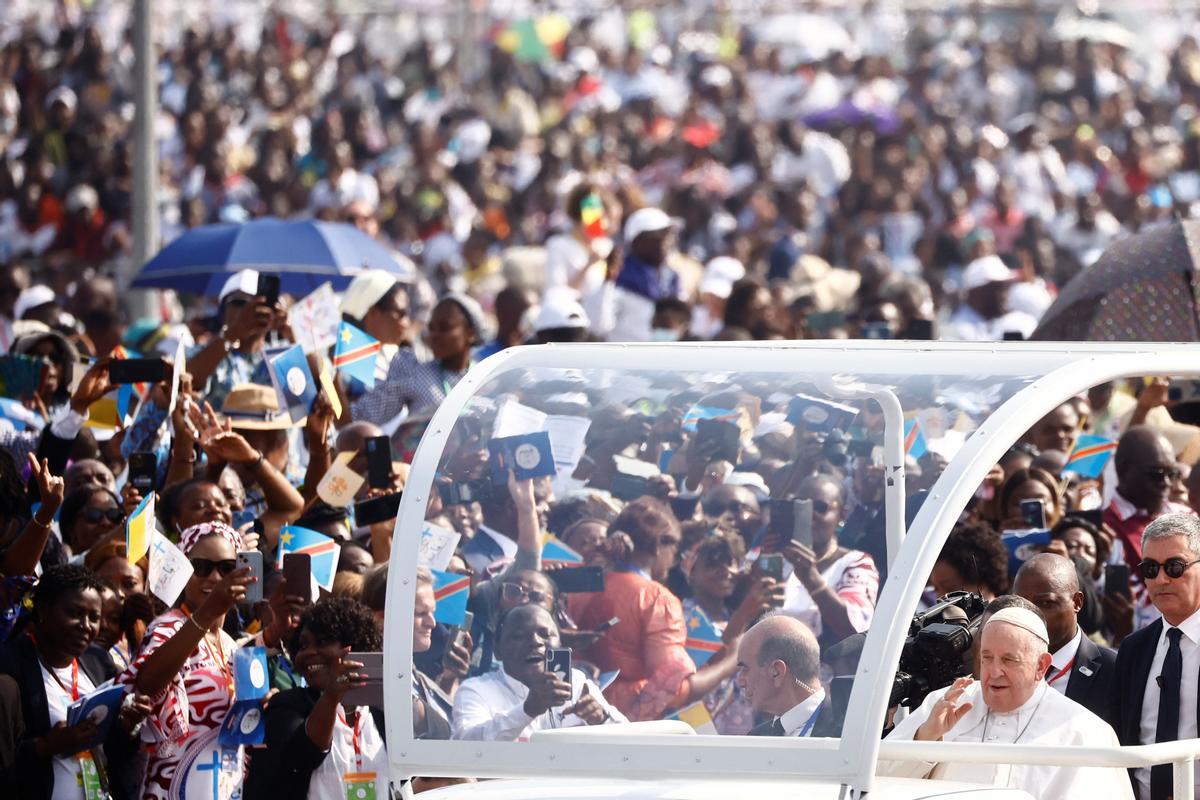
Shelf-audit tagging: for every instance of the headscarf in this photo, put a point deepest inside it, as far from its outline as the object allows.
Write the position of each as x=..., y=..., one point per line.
x=190, y=537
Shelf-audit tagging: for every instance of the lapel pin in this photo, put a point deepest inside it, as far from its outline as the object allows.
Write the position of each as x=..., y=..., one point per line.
x=1086, y=670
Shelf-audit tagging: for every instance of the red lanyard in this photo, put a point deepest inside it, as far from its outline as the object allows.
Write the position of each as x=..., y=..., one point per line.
x=74, y=690
x=1061, y=672
x=355, y=737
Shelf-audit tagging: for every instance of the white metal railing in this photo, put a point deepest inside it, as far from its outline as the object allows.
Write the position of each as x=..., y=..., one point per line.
x=1180, y=755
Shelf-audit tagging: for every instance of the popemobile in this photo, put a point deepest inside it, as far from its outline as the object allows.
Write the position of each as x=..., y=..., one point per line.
x=966, y=404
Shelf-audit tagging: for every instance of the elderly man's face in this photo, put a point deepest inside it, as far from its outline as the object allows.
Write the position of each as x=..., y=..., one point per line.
x=1011, y=665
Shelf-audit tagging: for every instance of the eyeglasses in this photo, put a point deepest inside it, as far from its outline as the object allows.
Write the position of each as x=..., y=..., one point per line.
x=1161, y=474
x=516, y=593
x=1174, y=567
x=203, y=567
x=94, y=515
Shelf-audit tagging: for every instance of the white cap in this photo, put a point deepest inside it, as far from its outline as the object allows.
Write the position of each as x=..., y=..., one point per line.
x=472, y=138
x=31, y=298
x=646, y=220
x=244, y=281
x=82, y=196
x=720, y=275
x=751, y=480
x=560, y=309
x=1022, y=618
x=985, y=270
x=367, y=289
x=584, y=59
x=61, y=94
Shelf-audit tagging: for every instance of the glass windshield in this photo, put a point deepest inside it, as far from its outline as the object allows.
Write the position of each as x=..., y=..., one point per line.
x=627, y=525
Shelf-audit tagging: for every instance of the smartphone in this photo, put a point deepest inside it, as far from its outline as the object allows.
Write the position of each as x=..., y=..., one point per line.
x=920, y=330
x=1013, y=336
x=297, y=573
x=143, y=472
x=1033, y=512
x=137, y=370
x=254, y=560
x=379, y=462
x=1092, y=515
x=1116, y=580
x=606, y=625
x=372, y=669
x=771, y=566
x=726, y=434
x=268, y=288
x=377, y=509
x=628, y=487
x=558, y=661
x=783, y=518
x=1175, y=394
x=802, y=532
x=578, y=580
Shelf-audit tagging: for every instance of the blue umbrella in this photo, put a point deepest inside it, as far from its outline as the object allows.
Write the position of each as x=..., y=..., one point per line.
x=304, y=253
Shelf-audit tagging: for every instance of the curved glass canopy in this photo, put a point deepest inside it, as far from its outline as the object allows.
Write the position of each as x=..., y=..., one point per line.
x=902, y=426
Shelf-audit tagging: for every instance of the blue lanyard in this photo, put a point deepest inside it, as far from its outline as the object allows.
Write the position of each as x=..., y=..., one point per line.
x=811, y=721
x=627, y=567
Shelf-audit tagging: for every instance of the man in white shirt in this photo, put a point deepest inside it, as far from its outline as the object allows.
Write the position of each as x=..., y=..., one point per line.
x=511, y=703
x=1158, y=666
x=1011, y=703
x=1079, y=668
x=779, y=669
x=984, y=315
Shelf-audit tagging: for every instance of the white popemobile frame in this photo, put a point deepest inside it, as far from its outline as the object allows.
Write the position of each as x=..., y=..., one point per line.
x=1065, y=369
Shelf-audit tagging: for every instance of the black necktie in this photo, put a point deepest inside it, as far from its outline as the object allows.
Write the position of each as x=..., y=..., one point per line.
x=776, y=728
x=1168, y=712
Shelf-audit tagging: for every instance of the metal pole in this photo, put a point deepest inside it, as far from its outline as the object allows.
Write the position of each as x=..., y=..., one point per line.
x=144, y=303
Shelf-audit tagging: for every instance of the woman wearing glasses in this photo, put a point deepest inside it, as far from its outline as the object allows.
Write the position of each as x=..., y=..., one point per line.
x=88, y=515
x=832, y=589
x=186, y=667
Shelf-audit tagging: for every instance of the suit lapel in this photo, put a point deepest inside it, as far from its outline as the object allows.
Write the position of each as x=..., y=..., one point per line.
x=1141, y=674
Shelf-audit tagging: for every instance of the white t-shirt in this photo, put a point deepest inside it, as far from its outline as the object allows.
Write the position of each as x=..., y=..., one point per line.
x=67, y=784
x=326, y=783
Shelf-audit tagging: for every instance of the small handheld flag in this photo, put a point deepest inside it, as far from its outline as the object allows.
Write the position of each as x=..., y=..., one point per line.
x=703, y=640
x=914, y=439
x=323, y=552
x=139, y=529
x=1090, y=456
x=555, y=552
x=591, y=214
x=354, y=354
x=451, y=592
x=698, y=717
x=697, y=413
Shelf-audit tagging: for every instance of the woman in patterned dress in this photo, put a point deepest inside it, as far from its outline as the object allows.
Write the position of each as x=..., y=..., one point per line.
x=186, y=666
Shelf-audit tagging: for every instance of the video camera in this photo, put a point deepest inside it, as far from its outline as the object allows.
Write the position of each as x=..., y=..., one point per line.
x=934, y=651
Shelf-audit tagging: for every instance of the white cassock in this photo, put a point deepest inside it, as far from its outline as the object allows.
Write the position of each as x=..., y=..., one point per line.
x=1047, y=718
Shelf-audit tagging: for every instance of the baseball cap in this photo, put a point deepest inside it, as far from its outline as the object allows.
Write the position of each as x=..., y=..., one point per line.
x=720, y=275
x=985, y=270
x=646, y=220
x=367, y=289
x=560, y=310
x=244, y=281
x=31, y=298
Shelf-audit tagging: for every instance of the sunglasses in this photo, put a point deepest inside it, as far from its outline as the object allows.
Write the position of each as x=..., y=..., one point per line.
x=516, y=593
x=821, y=507
x=1161, y=474
x=94, y=515
x=1174, y=567
x=203, y=567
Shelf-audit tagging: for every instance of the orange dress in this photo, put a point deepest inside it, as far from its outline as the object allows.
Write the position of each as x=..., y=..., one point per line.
x=647, y=645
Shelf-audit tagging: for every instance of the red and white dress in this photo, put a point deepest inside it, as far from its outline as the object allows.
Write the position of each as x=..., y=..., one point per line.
x=853, y=578
x=185, y=759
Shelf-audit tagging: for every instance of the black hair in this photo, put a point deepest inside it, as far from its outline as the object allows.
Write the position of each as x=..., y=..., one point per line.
x=975, y=551
x=12, y=490
x=172, y=500
x=343, y=620
x=374, y=590
x=60, y=580
x=348, y=547
x=504, y=618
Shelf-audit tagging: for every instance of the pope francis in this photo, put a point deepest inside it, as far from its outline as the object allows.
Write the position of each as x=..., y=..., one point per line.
x=1011, y=703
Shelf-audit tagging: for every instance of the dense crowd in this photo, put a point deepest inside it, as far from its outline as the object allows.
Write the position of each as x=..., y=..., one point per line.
x=706, y=547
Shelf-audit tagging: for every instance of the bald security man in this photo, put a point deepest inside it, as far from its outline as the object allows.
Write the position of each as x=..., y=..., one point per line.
x=1079, y=668
x=779, y=670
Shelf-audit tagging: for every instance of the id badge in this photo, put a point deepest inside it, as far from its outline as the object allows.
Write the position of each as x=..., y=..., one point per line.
x=89, y=778
x=359, y=785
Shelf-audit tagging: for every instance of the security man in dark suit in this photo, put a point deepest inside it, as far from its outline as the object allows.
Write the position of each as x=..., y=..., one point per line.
x=1079, y=668
x=779, y=669
x=1158, y=667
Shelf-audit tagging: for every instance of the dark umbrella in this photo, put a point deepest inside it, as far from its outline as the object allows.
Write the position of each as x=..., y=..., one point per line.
x=1142, y=289
x=304, y=253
